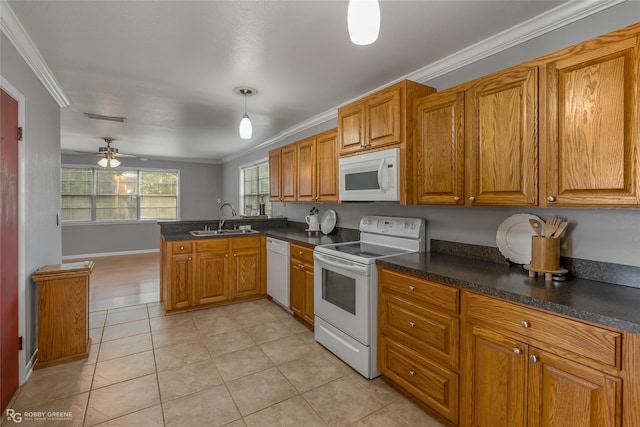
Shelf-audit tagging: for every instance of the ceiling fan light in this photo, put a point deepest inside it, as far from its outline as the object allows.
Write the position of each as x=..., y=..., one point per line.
x=104, y=162
x=245, y=127
x=114, y=163
x=363, y=21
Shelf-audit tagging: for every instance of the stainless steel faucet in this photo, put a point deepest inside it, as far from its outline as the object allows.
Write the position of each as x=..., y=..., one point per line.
x=221, y=220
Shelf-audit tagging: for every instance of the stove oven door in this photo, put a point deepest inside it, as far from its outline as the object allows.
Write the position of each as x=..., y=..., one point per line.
x=342, y=295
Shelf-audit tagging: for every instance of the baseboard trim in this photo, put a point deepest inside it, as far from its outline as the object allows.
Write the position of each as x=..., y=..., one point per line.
x=105, y=254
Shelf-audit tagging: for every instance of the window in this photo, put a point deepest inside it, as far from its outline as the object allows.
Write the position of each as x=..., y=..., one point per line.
x=93, y=194
x=254, y=187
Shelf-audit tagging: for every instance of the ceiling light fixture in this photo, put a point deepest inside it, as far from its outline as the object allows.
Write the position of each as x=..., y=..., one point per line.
x=109, y=154
x=108, y=118
x=246, y=130
x=109, y=162
x=363, y=21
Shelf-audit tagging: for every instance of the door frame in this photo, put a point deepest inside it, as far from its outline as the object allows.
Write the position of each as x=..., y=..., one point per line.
x=23, y=372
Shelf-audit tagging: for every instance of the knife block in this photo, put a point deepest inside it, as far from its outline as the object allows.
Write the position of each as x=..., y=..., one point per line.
x=545, y=253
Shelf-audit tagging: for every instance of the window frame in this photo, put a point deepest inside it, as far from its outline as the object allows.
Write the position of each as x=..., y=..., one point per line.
x=94, y=195
x=241, y=194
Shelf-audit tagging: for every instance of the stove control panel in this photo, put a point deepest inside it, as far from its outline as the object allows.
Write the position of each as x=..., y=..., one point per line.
x=412, y=228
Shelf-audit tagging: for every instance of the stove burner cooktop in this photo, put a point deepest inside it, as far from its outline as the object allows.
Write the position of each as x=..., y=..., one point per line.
x=365, y=250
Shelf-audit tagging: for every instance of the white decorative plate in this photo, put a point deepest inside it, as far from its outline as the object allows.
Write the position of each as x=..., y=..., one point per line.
x=328, y=221
x=514, y=238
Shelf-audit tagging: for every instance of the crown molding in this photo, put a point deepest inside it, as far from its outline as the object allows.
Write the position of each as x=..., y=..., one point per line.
x=553, y=19
x=15, y=32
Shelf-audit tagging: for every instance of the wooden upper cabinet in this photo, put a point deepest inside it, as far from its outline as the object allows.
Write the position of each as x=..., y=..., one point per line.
x=383, y=125
x=440, y=148
x=592, y=153
x=306, y=166
x=327, y=166
x=351, y=128
x=275, y=172
x=289, y=170
x=379, y=120
x=502, y=138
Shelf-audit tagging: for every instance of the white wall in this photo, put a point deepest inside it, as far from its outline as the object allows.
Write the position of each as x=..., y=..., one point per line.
x=200, y=189
x=609, y=235
x=42, y=177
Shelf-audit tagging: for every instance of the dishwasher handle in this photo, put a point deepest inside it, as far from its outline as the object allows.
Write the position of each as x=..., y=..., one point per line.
x=277, y=246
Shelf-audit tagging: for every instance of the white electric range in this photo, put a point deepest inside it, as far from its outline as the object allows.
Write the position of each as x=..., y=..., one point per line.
x=346, y=287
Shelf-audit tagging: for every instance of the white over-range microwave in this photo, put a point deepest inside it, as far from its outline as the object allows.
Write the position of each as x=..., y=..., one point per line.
x=373, y=176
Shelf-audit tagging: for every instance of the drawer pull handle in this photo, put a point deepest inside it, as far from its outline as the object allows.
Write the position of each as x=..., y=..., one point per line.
x=412, y=324
x=525, y=324
x=412, y=373
x=412, y=288
x=517, y=351
x=551, y=199
x=533, y=358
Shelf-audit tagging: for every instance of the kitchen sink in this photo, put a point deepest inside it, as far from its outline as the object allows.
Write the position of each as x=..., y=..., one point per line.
x=205, y=233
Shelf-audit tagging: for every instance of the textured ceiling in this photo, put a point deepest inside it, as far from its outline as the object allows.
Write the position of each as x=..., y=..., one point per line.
x=170, y=67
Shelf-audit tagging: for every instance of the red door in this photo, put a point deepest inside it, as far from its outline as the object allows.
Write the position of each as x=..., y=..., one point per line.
x=8, y=249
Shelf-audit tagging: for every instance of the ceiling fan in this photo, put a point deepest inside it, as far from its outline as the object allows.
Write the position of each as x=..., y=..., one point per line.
x=108, y=154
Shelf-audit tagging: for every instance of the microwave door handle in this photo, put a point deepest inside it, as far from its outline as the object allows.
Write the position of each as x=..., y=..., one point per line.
x=350, y=267
x=380, y=169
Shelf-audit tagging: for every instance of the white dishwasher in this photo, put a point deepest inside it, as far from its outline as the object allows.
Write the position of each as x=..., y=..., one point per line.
x=278, y=271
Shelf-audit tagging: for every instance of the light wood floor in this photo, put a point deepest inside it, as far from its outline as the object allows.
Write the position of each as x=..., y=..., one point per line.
x=124, y=280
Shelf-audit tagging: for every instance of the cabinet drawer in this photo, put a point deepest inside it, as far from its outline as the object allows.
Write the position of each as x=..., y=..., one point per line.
x=246, y=242
x=427, y=292
x=591, y=342
x=181, y=247
x=432, y=333
x=212, y=245
x=302, y=253
x=429, y=382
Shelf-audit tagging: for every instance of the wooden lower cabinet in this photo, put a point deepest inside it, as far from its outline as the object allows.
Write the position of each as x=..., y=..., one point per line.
x=202, y=272
x=301, y=282
x=418, y=332
x=63, y=312
x=530, y=378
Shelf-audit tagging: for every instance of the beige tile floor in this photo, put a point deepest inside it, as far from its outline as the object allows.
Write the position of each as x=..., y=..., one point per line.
x=247, y=364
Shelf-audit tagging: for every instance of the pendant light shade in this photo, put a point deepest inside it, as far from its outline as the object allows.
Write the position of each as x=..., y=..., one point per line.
x=363, y=20
x=245, y=129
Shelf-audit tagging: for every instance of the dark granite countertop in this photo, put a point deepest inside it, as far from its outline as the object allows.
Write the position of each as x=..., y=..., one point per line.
x=293, y=232
x=603, y=303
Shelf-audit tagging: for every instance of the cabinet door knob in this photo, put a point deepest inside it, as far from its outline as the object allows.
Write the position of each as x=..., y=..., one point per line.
x=300, y=253
x=412, y=324
x=182, y=248
x=525, y=324
x=472, y=199
x=300, y=266
x=533, y=358
x=551, y=199
x=412, y=288
x=226, y=255
x=412, y=373
x=517, y=351
x=235, y=254
x=456, y=199
x=189, y=258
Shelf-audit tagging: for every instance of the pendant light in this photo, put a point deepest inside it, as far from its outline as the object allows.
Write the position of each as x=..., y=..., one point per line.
x=363, y=21
x=245, y=128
